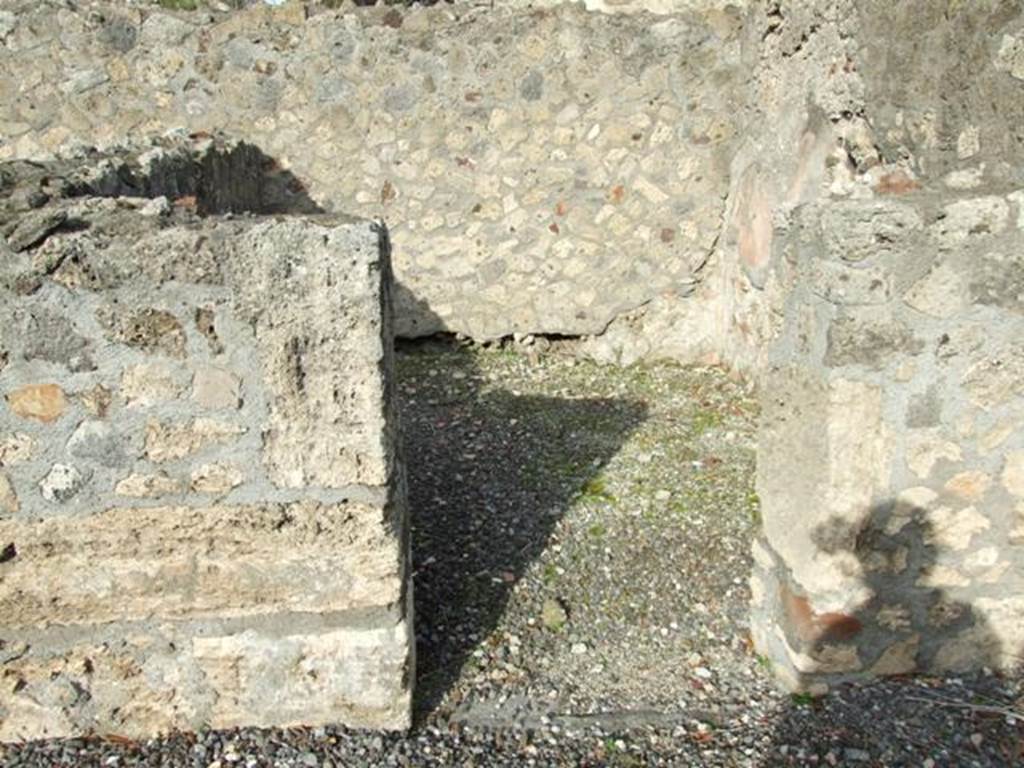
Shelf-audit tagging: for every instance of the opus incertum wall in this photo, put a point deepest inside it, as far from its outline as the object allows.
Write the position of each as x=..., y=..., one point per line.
x=825, y=194
x=891, y=255
x=891, y=450
x=202, y=513
x=541, y=171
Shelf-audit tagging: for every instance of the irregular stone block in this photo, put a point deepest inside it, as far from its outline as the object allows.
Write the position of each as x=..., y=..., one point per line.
x=970, y=485
x=215, y=388
x=96, y=400
x=868, y=338
x=851, y=286
x=1013, y=473
x=216, y=478
x=179, y=677
x=151, y=330
x=997, y=376
x=34, y=228
x=16, y=448
x=148, y=486
x=972, y=217
x=97, y=441
x=205, y=319
x=952, y=530
x=941, y=293
x=1010, y=57
x=121, y=565
x=967, y=650
x=8, y=498
x=168, y=442
x=308, y=678
x=147, y=384
x=926, y=447
x=50, y=336
x=861, y=230
x=62, y=483
x=41, y=402
x=898, y=659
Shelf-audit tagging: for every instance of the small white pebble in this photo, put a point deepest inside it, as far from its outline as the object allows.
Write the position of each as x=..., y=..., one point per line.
x=158, y=206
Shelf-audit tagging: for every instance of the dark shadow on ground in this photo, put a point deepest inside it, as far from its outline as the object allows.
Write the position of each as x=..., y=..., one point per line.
x=483, y=494
x=952, y=713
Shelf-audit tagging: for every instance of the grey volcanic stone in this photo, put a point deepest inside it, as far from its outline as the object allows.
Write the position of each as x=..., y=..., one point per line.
x=97, y=441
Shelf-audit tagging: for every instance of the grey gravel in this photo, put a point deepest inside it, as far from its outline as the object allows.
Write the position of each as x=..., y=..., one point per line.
x=560, y=505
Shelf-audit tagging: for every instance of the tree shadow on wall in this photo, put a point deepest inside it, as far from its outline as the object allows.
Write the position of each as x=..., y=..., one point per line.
x=910, y=622
x=491, y=472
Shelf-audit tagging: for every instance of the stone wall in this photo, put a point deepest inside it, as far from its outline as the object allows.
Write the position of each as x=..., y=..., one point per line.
x=893, y=395
x=540, y=170
x=202, y=513
x=821, y=193
x=890, y=450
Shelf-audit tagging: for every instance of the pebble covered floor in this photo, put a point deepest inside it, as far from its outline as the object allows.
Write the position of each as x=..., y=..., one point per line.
x=581, y=546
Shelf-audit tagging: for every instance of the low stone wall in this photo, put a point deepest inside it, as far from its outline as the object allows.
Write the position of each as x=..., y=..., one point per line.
x=202, y=513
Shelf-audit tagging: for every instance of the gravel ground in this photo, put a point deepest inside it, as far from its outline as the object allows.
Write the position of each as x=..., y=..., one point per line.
x=581, y=538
